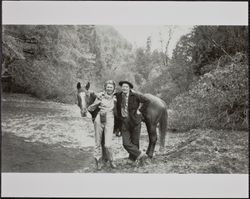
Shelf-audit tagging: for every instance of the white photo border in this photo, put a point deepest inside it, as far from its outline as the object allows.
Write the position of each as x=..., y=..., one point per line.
x=124, y=185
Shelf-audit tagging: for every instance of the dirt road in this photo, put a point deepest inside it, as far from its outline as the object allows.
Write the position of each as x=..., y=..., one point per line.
x=39, y=136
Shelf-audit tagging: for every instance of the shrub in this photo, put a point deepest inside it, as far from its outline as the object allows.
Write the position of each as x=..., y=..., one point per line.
x=218, y=100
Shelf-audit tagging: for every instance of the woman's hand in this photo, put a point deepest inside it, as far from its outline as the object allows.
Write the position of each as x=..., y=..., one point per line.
x=100, y=95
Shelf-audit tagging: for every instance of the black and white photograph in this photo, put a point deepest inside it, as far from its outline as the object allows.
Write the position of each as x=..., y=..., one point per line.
x=124, y=99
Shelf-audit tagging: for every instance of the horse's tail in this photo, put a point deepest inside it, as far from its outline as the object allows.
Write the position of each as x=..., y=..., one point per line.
x=163, y=127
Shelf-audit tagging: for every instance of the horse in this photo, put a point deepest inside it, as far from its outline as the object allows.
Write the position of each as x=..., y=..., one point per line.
x=155, y=113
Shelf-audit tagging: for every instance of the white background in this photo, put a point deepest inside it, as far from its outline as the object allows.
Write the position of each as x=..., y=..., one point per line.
x=125, y=13
x=125, y=185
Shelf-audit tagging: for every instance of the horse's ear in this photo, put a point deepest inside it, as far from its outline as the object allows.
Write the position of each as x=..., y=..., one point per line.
x=78, y=86
x=87, y=86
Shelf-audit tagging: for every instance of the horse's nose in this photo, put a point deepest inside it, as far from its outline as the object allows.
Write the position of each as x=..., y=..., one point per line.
x=84, y=114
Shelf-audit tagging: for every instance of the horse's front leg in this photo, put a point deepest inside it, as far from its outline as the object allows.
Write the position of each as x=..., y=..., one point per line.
x=151, y=128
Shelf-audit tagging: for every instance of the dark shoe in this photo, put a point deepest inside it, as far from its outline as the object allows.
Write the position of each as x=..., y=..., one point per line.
x=129, y=161
x=112, y=165
x=104, y=161
x=140, y=158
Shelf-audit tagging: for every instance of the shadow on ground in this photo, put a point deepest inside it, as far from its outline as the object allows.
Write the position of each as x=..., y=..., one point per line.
x=21, y=156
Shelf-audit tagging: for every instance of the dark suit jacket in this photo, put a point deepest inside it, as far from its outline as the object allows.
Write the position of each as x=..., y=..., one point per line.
x=134, y=101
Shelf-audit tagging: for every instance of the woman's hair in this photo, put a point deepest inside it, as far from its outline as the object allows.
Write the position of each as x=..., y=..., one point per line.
x=109, y=82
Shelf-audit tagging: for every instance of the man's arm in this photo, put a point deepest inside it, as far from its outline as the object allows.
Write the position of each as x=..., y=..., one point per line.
x=144, y=102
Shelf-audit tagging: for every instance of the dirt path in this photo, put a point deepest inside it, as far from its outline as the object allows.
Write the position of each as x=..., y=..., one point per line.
x=40, y=136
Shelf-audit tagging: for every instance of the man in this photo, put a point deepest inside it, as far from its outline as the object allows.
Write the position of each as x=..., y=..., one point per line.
x=129, y=119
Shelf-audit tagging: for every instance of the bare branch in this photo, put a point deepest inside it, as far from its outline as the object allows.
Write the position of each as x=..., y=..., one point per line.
x=214, y=42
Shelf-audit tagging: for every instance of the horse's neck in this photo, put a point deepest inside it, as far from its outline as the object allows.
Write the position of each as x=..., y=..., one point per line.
x=92, y=98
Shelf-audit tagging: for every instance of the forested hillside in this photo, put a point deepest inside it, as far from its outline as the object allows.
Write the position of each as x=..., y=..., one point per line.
x=48, y=61
x=204, y=82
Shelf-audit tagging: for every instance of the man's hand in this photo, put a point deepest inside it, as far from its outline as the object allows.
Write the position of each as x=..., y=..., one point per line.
x=139, y=109
x=118, y=133
x=138, y=112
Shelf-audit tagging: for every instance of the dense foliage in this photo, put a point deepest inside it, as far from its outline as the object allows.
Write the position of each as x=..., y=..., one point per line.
x=116, y=55
x=214, y=78
x=205, y=82
x=47, y=61
x=219, y=99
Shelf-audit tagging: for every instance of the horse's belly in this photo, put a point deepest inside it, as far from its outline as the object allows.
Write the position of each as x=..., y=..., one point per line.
x=155, y=108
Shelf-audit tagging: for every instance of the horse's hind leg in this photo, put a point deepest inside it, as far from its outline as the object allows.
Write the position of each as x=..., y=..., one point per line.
x=163, y=129
x=151, y=128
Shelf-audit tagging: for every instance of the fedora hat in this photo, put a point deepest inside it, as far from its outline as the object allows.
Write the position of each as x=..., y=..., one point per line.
x=126, y=82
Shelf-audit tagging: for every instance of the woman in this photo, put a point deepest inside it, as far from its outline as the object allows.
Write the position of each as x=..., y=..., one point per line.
x=104, y=123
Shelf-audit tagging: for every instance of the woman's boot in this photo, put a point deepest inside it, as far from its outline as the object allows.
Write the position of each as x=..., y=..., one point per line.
x=110, y=157
x=98, y=164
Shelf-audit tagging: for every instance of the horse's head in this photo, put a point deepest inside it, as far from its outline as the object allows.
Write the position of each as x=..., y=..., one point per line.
x=85, y=97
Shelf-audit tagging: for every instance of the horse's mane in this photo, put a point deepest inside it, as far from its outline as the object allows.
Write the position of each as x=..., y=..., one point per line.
x=92, y=96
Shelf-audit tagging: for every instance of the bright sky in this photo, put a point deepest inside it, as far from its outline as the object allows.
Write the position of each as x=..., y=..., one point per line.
x=137, y=35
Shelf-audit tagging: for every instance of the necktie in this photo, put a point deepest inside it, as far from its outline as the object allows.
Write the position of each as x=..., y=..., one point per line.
x=124, y=96
x=124, y=106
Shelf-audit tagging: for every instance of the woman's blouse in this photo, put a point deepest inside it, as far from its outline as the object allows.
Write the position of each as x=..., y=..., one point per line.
x=105, y=102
